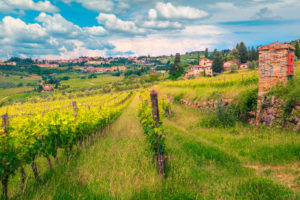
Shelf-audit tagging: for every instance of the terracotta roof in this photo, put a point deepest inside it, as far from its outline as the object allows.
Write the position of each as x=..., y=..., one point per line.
x=276, y=45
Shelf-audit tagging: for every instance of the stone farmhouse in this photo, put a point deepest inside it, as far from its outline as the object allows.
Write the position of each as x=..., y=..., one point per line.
x=204, y=66
x=229, y=63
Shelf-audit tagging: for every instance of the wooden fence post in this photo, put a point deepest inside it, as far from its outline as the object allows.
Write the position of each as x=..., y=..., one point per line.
x=155, y=116
x=23, y=179
x=75, y=108
x=170, y=112
x=155, y=111
x=5, y=178
x=5, y=123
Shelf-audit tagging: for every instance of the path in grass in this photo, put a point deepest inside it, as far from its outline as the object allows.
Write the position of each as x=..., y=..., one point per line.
x=274, y=155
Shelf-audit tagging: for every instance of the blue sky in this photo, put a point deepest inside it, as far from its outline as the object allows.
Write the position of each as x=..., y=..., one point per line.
x=54, y=29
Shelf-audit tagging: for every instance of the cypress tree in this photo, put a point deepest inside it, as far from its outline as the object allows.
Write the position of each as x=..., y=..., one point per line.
x=177, y=59
x=206, y=53
x=243, y=52
x=176, y=69
x=218, y=62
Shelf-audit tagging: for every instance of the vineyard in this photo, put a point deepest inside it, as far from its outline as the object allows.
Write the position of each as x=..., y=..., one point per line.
x=142, y=145
x=40, y=129
x=244, y=78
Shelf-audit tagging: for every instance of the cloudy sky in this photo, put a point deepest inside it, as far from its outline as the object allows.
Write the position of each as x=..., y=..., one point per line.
x=71, y=28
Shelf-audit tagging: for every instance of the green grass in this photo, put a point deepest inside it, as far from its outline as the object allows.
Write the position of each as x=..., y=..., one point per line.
x=200, y=94
x=101, y=80
x=201, y=164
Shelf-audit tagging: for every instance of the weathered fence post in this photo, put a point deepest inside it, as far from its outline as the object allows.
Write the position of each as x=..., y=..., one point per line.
x=75, y=108
x=35, y=171
x=155, y=116
x=170, y=112
x=5, y=178
x=155, y=111
x=23, y=179
x=5, y=123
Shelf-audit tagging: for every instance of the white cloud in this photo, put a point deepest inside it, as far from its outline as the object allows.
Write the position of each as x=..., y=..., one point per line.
x=54, y=35
x=16, y=31
x=10, y=5
x=78, y=51
x=111, y=22
x=189, y=39
x=162, y=25
x=168, y=11
x=95, y=30
x=98, y=5
x=152, y=14
x=58, y=25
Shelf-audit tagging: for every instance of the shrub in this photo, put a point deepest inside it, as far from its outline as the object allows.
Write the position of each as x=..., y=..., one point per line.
x=247, y=101
x=178, y=97
x=222, y=117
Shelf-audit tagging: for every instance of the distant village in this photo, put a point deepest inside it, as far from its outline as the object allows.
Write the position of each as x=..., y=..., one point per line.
x=97, y=64
x=204, y=67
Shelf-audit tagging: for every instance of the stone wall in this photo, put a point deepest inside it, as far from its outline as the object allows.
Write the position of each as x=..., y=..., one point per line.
x=211, y=104
x=272, y=113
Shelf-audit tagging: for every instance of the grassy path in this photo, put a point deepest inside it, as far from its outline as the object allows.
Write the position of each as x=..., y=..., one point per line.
x=223, y=154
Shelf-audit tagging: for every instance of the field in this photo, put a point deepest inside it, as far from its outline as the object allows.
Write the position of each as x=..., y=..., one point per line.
x=237, y=162
x=100, y=81
x=11, y=91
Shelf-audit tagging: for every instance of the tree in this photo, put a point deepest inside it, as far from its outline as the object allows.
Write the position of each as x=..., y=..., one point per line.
x=238, y=46
x=252, y=54
x=176, y=69
x=234, y=54
x=177, y=59
x=297, y=50
x=218, y=62
x=206, y=53
x=243, y=52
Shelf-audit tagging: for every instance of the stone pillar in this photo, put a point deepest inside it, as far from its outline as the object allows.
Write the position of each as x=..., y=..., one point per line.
x=274, y=68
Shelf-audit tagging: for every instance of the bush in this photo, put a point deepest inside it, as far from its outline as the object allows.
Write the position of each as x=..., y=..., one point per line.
x=234, y=67
x=248, y=101
x=222, y=117
x=178, y=97
x=253, y=64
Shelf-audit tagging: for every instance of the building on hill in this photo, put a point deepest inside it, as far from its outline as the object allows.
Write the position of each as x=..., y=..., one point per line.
x=122, y=68
x=276, y=62
x=198, y=70
x=204, y=67
x=47, y=88
x=205, y=62
x=229, y=63
x=48, y=65
x=8, y=63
